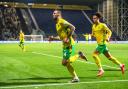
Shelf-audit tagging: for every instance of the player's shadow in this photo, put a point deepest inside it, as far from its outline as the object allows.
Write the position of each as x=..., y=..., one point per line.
x=32, y=81
x=24, y=83
x=51, y=78
x=37, y=80
x=108, y=70
x=43, y=78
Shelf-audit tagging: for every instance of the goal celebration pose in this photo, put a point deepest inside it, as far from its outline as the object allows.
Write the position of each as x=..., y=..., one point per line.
x=65, y=31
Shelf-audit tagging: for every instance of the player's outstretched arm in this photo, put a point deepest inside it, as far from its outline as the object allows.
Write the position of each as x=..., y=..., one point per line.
x=52, y=38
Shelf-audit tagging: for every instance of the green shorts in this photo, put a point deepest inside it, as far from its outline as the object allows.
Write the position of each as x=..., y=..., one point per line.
x=102, y=48
x=21, y=42
x=68, y=52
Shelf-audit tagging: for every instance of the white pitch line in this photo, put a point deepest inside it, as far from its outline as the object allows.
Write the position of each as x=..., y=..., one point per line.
x=77, y=60
x=95, y=64
x=46, y=54
x=61, y=84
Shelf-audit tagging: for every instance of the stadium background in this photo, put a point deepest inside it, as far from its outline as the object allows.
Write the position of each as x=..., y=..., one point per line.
x=40, y=65
x=35, y=17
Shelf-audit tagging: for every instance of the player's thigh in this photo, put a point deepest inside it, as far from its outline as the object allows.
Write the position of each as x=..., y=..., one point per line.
x=21, y=41
x=97, y=51
x=72, y=50
x=64, y=62
x=67, y=53
x=106, y=52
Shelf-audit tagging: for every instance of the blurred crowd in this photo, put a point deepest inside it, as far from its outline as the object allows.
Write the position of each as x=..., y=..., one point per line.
x=9, y=23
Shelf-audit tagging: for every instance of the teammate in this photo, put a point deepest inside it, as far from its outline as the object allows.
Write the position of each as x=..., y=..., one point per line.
x=21, y=38
x=89, y=38
x=102, y=34
x=65, y=31
x=86, y=37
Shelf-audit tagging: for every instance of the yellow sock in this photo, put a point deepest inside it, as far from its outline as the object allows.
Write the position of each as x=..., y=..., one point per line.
x=114, y=60
x=71, y=70
x=73, y=58
x=97, y=61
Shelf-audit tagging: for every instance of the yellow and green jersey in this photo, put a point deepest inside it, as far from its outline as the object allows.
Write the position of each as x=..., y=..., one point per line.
x=63, y=31
x=101, y=32
x=21, y=37
x=86, y=37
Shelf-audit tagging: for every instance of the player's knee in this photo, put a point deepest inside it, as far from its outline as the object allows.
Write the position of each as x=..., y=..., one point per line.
x=94, y=55
x=111, y=58
x=64, y=62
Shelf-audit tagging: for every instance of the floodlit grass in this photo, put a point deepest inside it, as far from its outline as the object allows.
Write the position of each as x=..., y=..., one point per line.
x=41, y=65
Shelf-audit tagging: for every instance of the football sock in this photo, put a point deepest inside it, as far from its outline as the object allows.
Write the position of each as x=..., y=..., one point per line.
x=71, y=70
x=114, y=60
x=97, y=61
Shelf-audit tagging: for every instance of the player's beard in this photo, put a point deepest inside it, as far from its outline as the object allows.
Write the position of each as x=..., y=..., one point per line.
x=55, y=19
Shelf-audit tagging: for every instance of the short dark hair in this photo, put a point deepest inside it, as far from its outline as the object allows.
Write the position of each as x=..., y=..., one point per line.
x=59, y=11
x=98, y=14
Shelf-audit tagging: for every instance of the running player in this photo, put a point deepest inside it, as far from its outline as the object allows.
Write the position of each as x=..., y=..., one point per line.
x=65, y=31
x=102, y=34
x=21, y=38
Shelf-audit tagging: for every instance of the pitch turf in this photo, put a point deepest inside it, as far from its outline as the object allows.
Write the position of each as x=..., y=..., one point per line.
x=40, y=67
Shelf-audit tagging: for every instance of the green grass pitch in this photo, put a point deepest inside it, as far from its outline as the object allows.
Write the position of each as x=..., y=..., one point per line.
x=40, y=67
